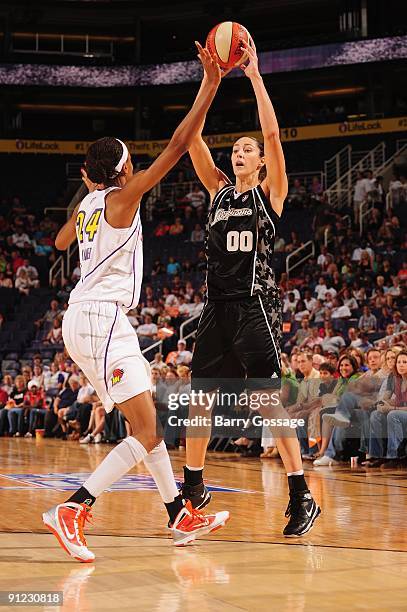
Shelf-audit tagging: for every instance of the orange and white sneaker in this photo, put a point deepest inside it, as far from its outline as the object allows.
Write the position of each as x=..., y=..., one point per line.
x=191, y=524
x=66, y=522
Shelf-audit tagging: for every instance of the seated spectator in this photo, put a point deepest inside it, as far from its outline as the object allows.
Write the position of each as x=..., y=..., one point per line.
x=15, y=407
x=173, y=267
x=34, y=403
x=147, y=330
x=78, y=416
x=162, y=229
x=333, y=342
x=300, y=311
x=311, y=341
x=289, y=305
x=52, y=313
x=197, y=197
x=367, y=322
x=158, y=362
x=198, y=234
x=181, y=356
x=398, y=324
x=31, y=271
x=38, y=376
x=64, y=401
x=54, y=380
x=302, y=334
x=176, y=229
x=389, y=419
x=96, y=423
x=197, y=306
x=54, y=335
x=339, y=310
x=3, y=411
x=20, y=239
x=158, y=268
x=23, y=283
x=5, y=281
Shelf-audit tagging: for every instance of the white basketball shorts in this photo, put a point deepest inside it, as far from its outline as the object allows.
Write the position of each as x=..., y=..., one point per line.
x=99, y=338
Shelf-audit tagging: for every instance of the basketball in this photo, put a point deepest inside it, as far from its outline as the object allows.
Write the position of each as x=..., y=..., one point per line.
x=224, y=40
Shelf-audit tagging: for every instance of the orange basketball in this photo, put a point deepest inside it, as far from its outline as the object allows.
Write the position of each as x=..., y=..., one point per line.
x=224, y=40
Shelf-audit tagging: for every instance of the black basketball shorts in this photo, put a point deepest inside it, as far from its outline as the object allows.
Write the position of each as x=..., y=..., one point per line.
x=238, y=339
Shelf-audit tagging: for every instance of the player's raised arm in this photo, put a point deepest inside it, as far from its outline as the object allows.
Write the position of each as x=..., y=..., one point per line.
x=67, y=234
x=210, y=176
x=276, y=180
x=181, y=140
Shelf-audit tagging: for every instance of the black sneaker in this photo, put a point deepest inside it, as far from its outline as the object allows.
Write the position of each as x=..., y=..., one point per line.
x=302, y=510
x=198, y=495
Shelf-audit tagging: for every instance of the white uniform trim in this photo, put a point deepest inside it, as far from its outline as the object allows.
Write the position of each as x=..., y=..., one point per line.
x=255, y=249
x=271, y=333
x=265, y=210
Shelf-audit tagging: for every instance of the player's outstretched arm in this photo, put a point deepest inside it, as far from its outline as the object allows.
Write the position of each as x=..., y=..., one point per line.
x=276, y=180
x=129, y=197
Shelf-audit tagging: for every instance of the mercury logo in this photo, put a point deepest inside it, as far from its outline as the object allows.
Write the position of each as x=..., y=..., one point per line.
x=117, y=376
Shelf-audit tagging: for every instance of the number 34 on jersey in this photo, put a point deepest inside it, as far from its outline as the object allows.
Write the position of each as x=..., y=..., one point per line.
x=86, y=232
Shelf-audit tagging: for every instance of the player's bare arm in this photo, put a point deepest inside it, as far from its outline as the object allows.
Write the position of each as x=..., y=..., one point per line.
x=275, y=184
x=67, y=234
x=127, y=200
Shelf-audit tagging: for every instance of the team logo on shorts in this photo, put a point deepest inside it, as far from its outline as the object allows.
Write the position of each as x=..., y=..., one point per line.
x=117, y=376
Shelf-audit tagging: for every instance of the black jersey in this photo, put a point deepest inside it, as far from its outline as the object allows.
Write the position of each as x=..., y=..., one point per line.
x=241, y=231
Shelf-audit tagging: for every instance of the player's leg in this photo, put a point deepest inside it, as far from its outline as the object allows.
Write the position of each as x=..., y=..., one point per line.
x=207, y=361
x=141, y=415
x=258, y=350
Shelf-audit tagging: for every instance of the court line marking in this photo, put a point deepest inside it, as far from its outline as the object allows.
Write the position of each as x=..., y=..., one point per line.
x=163, y=538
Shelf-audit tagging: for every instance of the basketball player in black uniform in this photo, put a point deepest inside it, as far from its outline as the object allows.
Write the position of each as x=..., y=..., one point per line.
x=240, y=327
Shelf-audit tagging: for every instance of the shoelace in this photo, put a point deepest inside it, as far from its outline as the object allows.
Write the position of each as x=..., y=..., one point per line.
x=196, y=514
x=83, y=515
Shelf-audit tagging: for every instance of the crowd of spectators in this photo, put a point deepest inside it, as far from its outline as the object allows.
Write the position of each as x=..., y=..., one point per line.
x=344, y=316
x=26, y=245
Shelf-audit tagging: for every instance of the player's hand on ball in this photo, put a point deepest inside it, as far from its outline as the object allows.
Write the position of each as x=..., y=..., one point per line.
x=251, y=66
x=91, y=186
x=211, y=67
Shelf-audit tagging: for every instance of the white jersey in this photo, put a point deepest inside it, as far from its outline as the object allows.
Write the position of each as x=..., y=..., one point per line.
x=111, y=259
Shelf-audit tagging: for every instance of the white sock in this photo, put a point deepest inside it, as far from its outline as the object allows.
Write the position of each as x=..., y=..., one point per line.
x=194, y=469
x=297, y=473
x=159, y=465
x=117, y=463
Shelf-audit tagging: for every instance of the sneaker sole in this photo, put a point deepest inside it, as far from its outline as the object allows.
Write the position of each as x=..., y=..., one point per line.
x=54, y=532
x=201, y=532
x=308, y=527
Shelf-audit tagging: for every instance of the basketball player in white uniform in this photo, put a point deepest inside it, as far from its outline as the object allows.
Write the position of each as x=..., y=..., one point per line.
x=98, y=335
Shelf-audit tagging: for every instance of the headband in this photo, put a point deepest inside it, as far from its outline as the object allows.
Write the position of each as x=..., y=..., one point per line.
x=123, y=158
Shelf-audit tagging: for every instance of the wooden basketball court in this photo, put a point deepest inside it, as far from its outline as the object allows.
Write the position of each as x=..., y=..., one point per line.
x=355, y=558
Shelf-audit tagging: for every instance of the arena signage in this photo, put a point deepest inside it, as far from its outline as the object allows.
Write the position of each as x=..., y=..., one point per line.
x=153, y=147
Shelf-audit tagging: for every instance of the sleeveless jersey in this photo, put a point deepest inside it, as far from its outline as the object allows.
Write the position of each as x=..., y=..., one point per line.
x=241, y=231
x=111, y=259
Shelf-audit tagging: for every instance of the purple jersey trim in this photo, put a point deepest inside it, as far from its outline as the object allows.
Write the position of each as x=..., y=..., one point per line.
x=134, y=270
x=107, y=346
x=115, y=251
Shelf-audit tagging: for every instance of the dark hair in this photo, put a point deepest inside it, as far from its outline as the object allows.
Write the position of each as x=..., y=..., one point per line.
x=101, y=160
x=328, y=367
x=402, y=352
x=351, y=360
x=260, y=146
